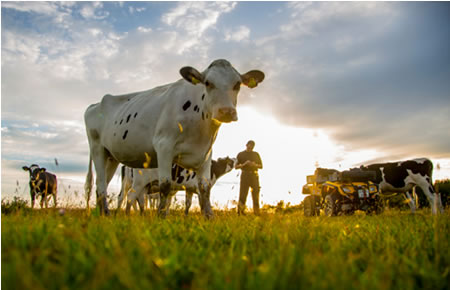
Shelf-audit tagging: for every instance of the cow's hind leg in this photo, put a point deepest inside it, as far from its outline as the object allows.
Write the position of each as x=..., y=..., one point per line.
x=42, y=200
x=105, y=167
x=120, y=199
x=55, y=193
x=141, y=201
x=54, y=199
x=134, y=195
x=433, y=198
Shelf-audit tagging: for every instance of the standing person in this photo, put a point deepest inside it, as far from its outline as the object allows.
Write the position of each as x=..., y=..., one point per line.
x=249, y=162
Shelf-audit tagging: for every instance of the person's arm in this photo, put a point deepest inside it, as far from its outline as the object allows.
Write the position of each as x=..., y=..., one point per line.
x=240, y=165
x=258, y=163
x=253, y=164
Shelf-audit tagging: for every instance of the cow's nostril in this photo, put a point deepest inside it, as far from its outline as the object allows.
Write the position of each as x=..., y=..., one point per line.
x=227, y=114
x=227, y=111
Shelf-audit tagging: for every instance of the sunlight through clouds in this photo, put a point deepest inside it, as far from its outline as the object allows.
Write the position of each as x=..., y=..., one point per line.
x=346, y=82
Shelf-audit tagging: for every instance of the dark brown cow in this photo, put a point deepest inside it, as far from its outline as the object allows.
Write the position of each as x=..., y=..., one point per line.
x=41, y=183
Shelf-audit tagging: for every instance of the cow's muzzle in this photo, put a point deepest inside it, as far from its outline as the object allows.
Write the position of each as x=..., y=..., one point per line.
x=227, y=115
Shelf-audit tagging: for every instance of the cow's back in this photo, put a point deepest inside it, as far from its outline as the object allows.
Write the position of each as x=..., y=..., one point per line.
x=396, y=173
x=47, y=181
x=125, y=124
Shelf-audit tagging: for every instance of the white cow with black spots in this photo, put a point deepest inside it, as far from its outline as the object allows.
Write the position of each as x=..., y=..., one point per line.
x=174, y=123
x=137, y=182
x=402, y=176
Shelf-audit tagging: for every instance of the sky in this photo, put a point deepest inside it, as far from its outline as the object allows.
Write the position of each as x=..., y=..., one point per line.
x=347, y=83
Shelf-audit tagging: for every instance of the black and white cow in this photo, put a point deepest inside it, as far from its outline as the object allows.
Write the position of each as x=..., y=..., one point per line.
x=137, y=182
x=42, y=183
x=174, y=123
x=402, y=176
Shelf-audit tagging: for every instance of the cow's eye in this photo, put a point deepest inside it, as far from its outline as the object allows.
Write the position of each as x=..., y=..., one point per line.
x=209, y=85
x=237, y=86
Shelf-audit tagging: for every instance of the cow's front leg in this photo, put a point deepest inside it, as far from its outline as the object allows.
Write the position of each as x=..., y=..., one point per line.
x=54, y=199
x=165, y=158
x=164, y=195
x=204, y=198
x=33, y=198
x=42, y=200
x=188, y=201
x=204, y=188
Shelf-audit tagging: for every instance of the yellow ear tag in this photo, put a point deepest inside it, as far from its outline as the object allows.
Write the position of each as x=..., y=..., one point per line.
x=195, y=81
x=180, y=127
x=252, y=83
x=147, y=160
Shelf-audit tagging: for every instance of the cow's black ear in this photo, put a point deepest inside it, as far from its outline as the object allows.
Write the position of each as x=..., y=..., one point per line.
x=191, y=75
x=42, y=169
x=26, y=168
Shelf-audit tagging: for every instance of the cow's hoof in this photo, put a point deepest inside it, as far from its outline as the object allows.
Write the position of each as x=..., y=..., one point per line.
x=162, y=214
x=209, y=215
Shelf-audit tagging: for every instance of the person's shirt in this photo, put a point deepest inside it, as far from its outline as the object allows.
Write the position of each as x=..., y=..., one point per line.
x=245, y=155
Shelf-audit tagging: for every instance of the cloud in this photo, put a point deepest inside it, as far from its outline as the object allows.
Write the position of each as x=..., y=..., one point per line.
x=144, y=29
x=373, y=76
x=47, y=8
x=93, y=10
x=196, y=17
x=65, y=74
x=193, y=19
x=364, y=72
x=133, y=9
x=239, y=34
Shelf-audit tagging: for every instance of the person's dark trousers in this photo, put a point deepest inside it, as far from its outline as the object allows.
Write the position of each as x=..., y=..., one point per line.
x=249, y=180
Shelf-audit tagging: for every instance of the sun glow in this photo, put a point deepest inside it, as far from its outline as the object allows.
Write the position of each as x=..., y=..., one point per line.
x=288, y=155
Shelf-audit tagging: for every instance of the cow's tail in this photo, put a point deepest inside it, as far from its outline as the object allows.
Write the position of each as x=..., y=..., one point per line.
x=89, y=183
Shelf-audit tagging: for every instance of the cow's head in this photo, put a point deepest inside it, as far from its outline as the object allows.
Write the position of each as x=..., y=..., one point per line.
x=35, y=171
x=222, y=83
x=222, y=166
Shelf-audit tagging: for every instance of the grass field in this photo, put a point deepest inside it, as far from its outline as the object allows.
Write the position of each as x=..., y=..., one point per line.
x=396, y=250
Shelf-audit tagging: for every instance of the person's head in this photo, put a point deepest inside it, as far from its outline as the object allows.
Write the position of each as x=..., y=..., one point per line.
x=250, y=145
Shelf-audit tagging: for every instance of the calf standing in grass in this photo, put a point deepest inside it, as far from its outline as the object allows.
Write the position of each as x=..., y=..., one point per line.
x=136, y=182
x=42, y=183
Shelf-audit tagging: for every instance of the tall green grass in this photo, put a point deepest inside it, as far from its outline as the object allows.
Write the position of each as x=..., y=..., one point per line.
x=396, y=250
